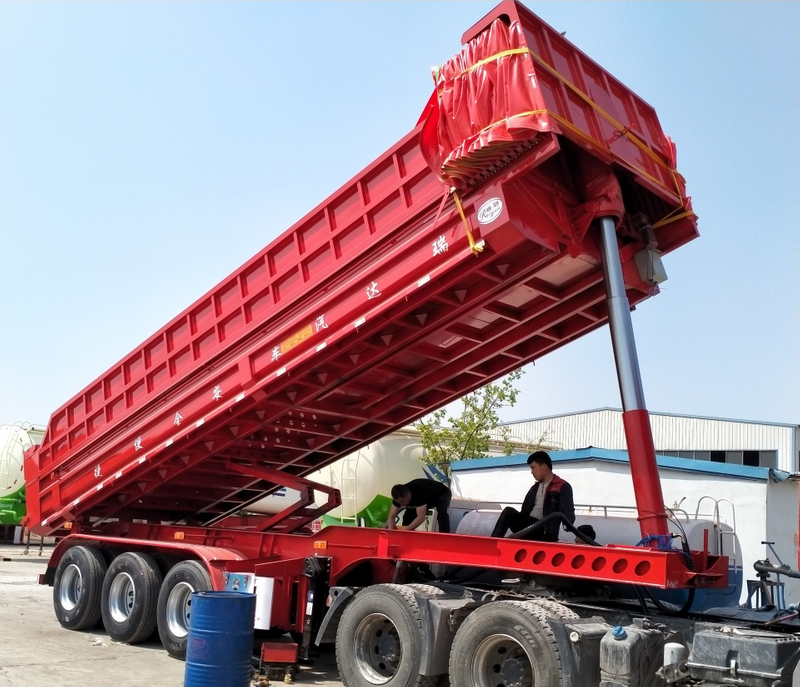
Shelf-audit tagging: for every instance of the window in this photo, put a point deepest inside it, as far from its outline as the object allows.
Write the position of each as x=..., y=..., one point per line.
x=751, y=458
x=763, y=459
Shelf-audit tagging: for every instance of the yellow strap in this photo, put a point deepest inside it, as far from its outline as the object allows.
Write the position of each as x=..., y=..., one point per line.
x=668, y=218
x=496, y=56
x=474, y=247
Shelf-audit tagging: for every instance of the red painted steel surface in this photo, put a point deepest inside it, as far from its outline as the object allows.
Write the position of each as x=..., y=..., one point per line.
x=281, y=556
x=644, y=470
x=368, y=313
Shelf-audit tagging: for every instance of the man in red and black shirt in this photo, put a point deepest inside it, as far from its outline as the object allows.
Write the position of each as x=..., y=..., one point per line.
x=550, y=494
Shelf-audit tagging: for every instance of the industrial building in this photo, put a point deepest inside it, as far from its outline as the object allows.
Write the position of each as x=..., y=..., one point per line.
x=717, y=440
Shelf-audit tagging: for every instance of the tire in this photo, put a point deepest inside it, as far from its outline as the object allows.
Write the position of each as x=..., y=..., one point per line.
x=109, y=554
x=165, y=563
x=427, y=589
x=174, y=604
x=505, y=643
x=130, y=594
x=554, y=609
x=379, y=640
x=77, y=588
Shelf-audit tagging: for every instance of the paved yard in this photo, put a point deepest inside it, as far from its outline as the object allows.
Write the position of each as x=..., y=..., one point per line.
x=36, y=651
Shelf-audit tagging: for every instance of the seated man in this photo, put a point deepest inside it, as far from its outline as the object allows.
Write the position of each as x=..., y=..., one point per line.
x=416, y=497
x=550, y=494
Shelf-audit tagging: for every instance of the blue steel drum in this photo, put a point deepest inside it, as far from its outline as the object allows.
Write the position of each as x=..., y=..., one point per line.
x=219, y=648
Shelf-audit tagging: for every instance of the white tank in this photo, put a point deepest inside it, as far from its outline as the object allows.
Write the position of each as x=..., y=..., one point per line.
x=14, y=440
x=623, y=530
x=364, y=478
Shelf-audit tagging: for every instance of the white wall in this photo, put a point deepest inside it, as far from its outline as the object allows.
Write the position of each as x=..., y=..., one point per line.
x=609, y=484
x=783, y=506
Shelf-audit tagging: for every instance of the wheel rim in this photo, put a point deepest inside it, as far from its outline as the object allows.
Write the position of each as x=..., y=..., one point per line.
x=501, y=661
x=69, y=591
x=121, y=597
x=377, y=649
x=179, y=609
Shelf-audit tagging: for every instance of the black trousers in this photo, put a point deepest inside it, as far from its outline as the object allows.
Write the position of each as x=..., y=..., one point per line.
x=442, y=504
x=512, y=519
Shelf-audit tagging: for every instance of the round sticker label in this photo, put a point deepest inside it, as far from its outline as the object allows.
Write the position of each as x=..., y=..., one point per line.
x=490, y=211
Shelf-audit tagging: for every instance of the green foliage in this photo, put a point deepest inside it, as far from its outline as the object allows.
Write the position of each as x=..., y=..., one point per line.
x=447, y=439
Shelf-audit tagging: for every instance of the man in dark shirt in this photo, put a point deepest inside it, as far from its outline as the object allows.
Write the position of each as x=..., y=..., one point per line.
x=550, y=494
x=416, y=497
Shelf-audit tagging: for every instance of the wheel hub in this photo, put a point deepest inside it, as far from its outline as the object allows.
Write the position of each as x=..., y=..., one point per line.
x=515, y=672
x=389, y=647
x=179, y=609
x=121, y=597
x=378, y=650
x=501, y=661
x=71, y=587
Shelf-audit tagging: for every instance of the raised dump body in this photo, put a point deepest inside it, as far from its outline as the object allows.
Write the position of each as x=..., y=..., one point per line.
x=383, y=302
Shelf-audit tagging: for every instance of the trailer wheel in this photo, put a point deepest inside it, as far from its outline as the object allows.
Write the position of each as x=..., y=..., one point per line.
x=379, y=640
x=130, y=593
x=175, y=604
x=78, y=586
x=505, y=643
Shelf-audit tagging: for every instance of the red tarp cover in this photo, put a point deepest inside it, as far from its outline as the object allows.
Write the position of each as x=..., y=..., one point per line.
x=488, y=108
x=483, y=113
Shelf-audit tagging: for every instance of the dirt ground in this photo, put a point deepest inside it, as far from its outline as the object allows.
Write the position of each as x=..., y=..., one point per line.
x=36, y=651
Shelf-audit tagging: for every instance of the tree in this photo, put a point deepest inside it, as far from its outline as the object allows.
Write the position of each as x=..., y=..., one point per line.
x=468, y=435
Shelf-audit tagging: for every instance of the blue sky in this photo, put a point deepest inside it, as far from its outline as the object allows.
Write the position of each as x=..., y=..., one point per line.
x=149, y=149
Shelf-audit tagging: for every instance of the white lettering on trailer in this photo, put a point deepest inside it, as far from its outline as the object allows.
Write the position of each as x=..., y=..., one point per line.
x=320, y=323
x=239, y=397
x=440, y=246
x=217, y=393
x=137, y=445
x=321, y=346
x=97, y=470
x=359, y=321
x=373, y=291
x=178, y=418
x=276, y=352
x=424, y=280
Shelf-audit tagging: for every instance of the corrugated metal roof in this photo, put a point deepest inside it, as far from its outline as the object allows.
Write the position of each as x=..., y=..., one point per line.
x=603, y=427
x=607, y=455
x=653, y=412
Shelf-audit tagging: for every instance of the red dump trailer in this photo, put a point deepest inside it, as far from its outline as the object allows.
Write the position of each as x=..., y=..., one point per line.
x=531, y=204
